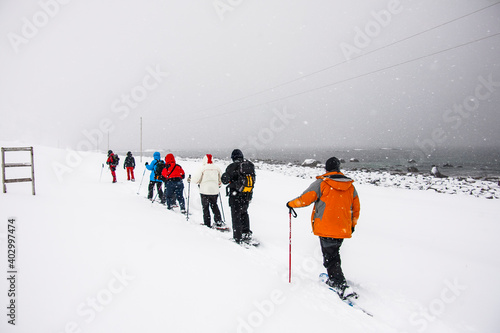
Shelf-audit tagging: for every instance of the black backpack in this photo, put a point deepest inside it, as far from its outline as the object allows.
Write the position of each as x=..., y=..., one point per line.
x=116, y=159
x=160, y=165
x=246, y=177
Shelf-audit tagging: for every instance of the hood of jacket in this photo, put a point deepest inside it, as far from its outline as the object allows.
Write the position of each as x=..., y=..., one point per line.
x=337, y=180
x=170, y=159
x=207, y=159
x=156, y=155
x=237, y=155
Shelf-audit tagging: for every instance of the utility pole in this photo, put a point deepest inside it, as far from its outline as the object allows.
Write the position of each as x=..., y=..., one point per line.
x=141, y=139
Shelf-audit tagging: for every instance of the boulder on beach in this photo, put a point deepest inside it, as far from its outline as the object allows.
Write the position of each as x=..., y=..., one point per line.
x=436, y=173
x=355, y=160
x=412, y=161
x=312, y=163
x=412, y=169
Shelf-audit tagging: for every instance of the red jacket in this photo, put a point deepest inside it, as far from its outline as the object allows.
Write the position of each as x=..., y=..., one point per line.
x=172, y=170
x=110, y=161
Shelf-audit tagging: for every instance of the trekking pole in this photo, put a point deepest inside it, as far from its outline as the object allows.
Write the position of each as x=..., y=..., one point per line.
x=102, y=168
x=141, y=181
x=222, y=209
x=154, y=198
x=291, y=212
x=189, y=194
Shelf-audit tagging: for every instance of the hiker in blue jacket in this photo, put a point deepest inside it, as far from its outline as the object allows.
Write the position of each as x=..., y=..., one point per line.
x=154, y=179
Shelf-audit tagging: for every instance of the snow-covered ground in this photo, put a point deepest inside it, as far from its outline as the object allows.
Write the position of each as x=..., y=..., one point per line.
x=93, y=256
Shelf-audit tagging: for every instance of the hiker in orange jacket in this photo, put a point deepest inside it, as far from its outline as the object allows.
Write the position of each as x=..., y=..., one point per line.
x=334, y=216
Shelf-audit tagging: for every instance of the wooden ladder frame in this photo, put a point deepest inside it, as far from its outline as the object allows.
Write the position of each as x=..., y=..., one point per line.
x=17, y=165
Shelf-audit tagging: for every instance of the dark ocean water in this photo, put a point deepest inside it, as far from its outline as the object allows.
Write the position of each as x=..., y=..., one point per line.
x=464, y=162
x=478, y=163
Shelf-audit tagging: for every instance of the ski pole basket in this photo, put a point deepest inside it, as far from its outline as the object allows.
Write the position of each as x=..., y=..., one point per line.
x=17, y=165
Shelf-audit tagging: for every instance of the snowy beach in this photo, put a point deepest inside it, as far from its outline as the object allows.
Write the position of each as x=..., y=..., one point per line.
x=489, y=189
x=99, y=257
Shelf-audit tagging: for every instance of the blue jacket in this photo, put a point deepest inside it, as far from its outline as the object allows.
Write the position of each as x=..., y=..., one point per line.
x=151, y=166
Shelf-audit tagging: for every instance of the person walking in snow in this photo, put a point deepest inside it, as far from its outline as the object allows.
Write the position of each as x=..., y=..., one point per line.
x=335, y=214
x=208, y=179
x=240, y=191
x=129, y=164
x=112, y=161
x=173, y=174
x=154, y=178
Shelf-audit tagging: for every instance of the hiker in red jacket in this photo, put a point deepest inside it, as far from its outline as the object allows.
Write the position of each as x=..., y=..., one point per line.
x=173, y=174
x=112, y=161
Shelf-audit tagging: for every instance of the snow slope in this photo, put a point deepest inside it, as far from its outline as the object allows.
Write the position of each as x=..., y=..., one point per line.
x=98, y=257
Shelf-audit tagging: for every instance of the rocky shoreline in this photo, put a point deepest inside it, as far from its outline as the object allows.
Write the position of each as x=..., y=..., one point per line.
x=481, y=187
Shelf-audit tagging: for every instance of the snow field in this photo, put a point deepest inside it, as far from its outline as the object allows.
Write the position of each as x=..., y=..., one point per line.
x=97, y=257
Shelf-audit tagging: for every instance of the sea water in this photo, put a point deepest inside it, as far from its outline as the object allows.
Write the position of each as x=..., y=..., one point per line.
x=454, y=162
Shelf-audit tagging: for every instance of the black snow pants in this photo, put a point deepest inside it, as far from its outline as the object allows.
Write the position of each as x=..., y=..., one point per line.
x=239, y=216
x=331, y=260
x=158, y=187
x=210, y=202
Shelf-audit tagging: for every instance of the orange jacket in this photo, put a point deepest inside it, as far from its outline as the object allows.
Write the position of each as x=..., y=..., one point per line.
x=336, y=205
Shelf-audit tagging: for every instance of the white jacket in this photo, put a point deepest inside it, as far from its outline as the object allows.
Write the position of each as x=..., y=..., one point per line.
x=208, y=177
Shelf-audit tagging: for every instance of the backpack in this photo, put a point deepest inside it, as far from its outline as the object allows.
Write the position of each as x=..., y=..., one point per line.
x=160, y=165
x=246, y=177
x=116, y=160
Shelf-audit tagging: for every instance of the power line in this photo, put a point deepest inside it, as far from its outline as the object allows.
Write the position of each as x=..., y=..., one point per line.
x=347, y=61
x=352, y=78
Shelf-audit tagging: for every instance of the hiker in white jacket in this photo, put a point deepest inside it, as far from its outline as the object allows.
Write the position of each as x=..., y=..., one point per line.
x=208, y=179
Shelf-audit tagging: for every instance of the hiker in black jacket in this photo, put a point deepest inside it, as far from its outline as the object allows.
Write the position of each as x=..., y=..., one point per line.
x=239, y=198
x=130, y=166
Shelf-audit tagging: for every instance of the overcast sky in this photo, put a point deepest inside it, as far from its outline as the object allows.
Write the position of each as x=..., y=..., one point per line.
x=253, y=74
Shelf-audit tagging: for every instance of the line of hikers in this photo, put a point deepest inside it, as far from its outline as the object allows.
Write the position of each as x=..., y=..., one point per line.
x=334, y=216
x=239, y=176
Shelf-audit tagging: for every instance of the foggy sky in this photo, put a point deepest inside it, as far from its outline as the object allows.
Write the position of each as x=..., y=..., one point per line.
x=224, y=74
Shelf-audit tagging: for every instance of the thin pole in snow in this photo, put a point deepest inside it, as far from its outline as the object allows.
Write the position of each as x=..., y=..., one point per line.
x=290, y=251
x=141, y=139
x=291, y=212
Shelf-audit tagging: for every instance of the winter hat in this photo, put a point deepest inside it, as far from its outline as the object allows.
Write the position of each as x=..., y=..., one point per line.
x=209, y=159
x=156, y=155
x=129, y=153
x=236, y=155
x=332, y=164
x=110, y=152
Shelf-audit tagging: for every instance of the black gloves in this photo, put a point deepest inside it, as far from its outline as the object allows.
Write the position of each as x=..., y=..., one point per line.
x=146, y=163
x=291, y=211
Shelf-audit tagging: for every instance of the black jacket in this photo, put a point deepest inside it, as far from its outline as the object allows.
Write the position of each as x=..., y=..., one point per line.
x=129, y=162
x=230, y=177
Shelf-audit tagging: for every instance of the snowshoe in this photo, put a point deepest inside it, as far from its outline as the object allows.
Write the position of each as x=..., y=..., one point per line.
x=246, y=244
x=344, y=291
x=221, y=226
